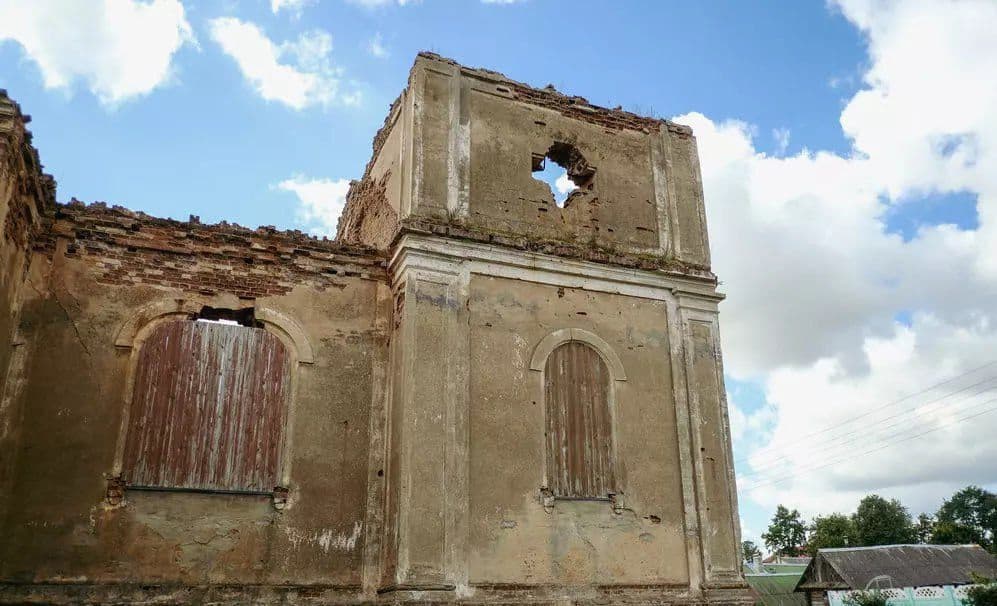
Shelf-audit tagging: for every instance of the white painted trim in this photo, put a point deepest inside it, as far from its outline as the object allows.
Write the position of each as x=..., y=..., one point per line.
x=488, y=259
x=566, y=335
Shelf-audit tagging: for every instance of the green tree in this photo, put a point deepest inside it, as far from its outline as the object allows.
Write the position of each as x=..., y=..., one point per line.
x=924, y=528
x=881, y=522
x=866, y=598
x=750, y=551
x=970, y=516
x=834, y=530
x=786, y=533
x=983, y=592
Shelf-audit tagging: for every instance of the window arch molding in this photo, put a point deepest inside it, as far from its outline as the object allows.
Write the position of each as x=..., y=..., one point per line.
x=566, y=335
x=141, y=324
x=608, y=473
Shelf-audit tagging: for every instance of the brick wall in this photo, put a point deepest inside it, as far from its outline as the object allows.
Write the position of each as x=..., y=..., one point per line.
x=127, y=247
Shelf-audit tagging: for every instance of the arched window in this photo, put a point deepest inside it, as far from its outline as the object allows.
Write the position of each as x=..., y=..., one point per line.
x=579, y=423
x=208, y=408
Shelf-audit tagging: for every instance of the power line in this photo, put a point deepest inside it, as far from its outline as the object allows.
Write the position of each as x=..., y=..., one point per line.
x=883, y=446
x=853, y=437
x=867, y=413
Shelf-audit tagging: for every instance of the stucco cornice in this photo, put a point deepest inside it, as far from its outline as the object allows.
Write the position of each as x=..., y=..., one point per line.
x=416, y=251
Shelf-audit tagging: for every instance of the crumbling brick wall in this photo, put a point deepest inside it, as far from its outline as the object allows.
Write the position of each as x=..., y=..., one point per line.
x=25, y=193
x=127, y=247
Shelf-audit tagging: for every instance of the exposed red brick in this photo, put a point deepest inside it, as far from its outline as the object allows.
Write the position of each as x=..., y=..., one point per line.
x=127, y=247
x=368, y=216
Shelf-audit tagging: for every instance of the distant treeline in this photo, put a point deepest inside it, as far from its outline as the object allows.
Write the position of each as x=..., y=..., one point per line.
x=969, y=516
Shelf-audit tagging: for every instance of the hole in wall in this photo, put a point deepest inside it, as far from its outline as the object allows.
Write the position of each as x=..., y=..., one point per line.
x=233, y=317
x=564, y=170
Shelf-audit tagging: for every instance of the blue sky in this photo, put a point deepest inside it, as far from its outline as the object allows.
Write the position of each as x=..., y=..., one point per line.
x=203, y=143
x=847, y=149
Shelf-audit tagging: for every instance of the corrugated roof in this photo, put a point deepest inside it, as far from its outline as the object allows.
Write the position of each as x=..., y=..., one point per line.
x=906, y=565
x=776, y=589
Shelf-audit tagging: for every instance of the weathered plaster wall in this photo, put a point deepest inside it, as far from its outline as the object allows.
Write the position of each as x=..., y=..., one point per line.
x=513, y=538
x=467, y=140
x=415, y=439
x=92, y=279
x=24, y=194
x=618, y=212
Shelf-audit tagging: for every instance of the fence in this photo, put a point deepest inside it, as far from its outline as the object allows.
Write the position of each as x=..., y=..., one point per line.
x=946, y=595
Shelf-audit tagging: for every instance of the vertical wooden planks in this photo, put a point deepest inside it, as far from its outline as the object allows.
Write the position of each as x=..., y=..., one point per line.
x=208, y=409
x=579, y=423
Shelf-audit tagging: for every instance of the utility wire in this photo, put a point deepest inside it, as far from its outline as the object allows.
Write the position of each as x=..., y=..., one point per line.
x=881, y=447
x=867, y=413
x=939, y=404
x=890, y=438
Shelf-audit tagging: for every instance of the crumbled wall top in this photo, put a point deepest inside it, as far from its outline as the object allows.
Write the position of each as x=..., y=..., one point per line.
x=20, y=156
x=128, y=247
x=461, y=148
x=569, y=105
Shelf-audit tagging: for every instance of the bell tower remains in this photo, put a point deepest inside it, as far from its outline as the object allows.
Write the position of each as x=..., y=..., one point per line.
x=557, y=409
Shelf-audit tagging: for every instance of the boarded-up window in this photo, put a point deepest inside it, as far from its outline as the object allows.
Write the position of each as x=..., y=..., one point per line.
x=208, y=409
x=579, y=424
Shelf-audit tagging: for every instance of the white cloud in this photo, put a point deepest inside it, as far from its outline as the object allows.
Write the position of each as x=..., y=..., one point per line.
x=815, y=282
x=320, y=202
x=291, y=6
x=298, y=74
x=376, y=47
x=119, y=49
x=564, y=185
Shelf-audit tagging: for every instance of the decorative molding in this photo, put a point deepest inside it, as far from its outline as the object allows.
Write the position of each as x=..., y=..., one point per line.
x=181, y=308
x=566, y=335
x=433, y=252
x=291, y=329
x=156, y=310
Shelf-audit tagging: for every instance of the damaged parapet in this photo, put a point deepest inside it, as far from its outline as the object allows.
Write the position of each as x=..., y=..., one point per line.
x=25, y=191
x=458, y=150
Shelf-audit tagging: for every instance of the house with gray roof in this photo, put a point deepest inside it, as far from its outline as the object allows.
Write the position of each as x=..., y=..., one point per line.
x=893, y=566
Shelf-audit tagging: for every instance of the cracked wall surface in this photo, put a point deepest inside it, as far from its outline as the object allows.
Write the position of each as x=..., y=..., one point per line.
x=413, y=468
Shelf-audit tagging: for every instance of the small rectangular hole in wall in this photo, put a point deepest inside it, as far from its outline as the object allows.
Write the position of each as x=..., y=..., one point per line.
x=503, y=89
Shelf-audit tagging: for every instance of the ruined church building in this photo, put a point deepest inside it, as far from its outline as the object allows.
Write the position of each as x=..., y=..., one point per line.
x=474, y=394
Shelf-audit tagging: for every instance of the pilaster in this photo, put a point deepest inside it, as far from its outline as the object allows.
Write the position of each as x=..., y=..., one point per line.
x=430, y=441
x=710, y=443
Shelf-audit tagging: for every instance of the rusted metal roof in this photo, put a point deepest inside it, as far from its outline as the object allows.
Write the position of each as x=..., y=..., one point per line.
x=579, y=427
x=906, y=565
x=208, y=409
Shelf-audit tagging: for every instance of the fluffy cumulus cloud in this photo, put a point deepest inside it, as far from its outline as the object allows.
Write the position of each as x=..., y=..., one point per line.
x=297, y=73
x=320, y=202
x=874, y=351
x=118, y=49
